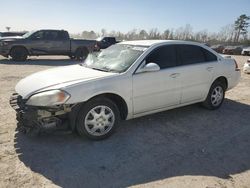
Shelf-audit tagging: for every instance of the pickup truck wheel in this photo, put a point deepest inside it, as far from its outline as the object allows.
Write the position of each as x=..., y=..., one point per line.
x=215, y=96
x=19, y=54
x=97, y=119
x=81, y=54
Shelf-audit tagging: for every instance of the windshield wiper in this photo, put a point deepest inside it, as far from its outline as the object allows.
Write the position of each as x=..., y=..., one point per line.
x=99, y=69
x=104, y=70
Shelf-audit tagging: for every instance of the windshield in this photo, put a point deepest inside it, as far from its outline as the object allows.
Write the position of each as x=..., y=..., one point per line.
x=99, y=38
x=116, y=58
x=28, y=34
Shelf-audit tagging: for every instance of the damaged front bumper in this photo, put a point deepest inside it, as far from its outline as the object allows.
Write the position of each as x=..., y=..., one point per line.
x=38, y=119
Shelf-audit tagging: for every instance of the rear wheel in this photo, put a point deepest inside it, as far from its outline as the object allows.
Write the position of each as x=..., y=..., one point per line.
x=81, y=53
x=19, y=54
x=97, y=119
x=215, y=96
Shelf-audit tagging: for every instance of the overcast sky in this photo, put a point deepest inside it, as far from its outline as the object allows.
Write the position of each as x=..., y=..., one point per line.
x=78, y=15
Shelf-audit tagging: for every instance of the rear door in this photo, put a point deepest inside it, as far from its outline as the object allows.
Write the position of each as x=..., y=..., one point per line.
x=197, y=72
x=160, y=89
x=57, y=42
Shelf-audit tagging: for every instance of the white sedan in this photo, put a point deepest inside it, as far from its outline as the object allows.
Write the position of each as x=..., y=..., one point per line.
x=125, y=81
x=246, y=67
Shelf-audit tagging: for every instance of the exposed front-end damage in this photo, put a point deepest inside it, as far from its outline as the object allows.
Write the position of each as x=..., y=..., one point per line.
x=36, y=119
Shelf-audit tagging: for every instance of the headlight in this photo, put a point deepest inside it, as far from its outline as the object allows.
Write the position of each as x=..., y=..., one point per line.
x=48, y=98
x=4, y=43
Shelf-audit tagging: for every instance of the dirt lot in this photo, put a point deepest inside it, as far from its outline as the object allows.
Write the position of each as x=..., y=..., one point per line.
x=186, y=147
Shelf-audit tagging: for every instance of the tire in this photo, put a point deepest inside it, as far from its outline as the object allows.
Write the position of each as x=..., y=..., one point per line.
x=215, y=96
x=97, y=119
x=19, y=54
x=81, y=54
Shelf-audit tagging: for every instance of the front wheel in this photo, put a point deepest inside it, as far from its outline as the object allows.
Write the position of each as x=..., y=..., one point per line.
x=97, y=119
x=19, y=54
x=215, y=96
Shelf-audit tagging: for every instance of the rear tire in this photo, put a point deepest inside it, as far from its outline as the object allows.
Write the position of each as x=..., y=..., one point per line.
x=97, y=119
x=19, y=54
x=81, y=54
x=215, y=96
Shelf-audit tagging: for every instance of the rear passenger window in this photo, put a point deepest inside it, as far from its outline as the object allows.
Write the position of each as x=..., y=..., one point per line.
x=164, y=56
x=62, y=35
x=209, y=56
x=51, y=35
x=191, y=54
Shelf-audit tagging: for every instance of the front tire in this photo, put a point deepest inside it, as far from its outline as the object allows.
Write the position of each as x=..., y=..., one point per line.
x=97, y=119
x=19, y=54
x=215, y=96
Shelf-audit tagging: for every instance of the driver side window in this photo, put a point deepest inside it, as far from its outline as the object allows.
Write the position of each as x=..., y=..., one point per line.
x=38, y=35
x=164, y=56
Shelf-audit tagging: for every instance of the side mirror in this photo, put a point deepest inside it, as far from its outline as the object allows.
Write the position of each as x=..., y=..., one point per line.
x=150, y=67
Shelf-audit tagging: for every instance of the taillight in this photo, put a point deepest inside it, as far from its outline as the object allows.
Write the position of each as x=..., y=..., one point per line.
x=248, y=61
x=236, y=66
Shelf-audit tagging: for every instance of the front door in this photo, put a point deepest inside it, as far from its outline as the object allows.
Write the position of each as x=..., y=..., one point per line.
x=37, y=44
x=160, y=89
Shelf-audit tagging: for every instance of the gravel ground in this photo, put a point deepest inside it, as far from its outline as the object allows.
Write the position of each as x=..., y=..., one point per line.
x=186, y=147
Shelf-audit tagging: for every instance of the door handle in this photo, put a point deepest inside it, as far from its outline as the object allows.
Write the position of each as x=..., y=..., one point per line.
x=174, y=75
x=210, y=68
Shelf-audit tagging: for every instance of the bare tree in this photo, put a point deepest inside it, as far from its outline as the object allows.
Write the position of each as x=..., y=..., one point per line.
x=103, y=32
x=187, y=32
x=89, y=35
x=143, y=34
x=226, y=33
x=154, y=34
x=166, y=34
x=132, y=35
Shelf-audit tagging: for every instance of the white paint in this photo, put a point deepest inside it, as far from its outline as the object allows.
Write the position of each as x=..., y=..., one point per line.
x=144, y=93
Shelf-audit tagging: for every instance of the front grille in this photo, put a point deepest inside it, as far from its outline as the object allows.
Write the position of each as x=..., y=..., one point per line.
x=25, y=116
x=17, y=102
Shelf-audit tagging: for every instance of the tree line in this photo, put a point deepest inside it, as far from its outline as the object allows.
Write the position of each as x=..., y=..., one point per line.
x=232, y=34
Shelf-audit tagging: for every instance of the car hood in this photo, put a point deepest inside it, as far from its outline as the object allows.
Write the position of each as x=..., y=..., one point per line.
x=62, y=76
x=13, y=38
x=246, y=49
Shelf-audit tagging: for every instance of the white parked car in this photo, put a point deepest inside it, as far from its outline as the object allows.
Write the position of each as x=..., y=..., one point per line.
x=246, y=67
x=125, y=81
x=246, y=51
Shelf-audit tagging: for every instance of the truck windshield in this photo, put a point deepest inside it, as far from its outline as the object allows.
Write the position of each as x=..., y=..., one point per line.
x=117, y=58
x=28, y=34
x=99, y=38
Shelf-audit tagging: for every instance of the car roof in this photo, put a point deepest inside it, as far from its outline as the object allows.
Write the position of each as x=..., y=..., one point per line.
x=157, y=42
